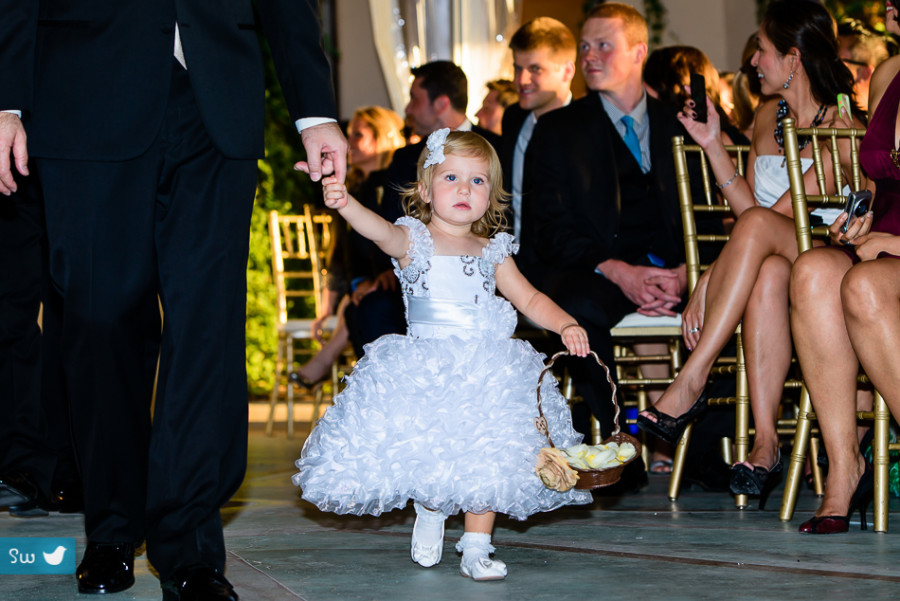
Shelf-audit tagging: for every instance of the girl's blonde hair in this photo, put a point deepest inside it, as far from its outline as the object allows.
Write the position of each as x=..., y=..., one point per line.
x=466, y=144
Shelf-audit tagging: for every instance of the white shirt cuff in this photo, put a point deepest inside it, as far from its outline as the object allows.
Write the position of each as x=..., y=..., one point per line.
x=310, y=121
x=16, y=113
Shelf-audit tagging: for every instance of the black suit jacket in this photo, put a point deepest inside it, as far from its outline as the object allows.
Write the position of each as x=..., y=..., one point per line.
x=92, y=76
x=576, y=205
x=513, y=118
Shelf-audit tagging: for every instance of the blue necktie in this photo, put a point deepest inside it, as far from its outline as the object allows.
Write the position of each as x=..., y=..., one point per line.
x=631, y=139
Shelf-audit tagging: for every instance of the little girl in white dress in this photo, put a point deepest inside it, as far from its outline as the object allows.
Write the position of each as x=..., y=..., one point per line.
x=444, y=416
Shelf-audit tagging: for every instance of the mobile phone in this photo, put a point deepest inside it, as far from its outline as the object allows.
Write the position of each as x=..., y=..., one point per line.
x=698, y=95
x=858, y=203
x=843, y=102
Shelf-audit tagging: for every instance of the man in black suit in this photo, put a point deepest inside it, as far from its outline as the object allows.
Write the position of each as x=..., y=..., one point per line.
x=146, y=122
x=544, y=53
x=605, y=204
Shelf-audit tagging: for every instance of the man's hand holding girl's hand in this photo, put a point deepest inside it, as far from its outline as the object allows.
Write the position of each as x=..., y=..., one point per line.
x=335, y=193
x=576, y=339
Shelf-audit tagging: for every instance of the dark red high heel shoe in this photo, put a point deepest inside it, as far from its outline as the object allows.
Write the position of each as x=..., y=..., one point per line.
x=835, y=524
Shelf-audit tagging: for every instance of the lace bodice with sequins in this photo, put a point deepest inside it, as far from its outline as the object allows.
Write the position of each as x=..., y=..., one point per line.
x=461, y=290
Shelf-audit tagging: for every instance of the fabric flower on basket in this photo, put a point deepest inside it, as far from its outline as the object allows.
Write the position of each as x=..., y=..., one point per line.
x=554, y=471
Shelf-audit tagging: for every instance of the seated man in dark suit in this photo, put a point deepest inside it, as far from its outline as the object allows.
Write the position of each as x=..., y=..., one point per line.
x=605, y=206
x=544, y=52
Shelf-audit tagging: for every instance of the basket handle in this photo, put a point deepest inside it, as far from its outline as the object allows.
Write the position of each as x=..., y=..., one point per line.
x=540, y=422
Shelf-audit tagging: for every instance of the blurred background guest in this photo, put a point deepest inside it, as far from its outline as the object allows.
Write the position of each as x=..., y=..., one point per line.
x=501, y=94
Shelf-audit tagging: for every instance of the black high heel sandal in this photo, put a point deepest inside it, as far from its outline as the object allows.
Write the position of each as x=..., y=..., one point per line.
x=299, y=380
x=756, y=482
x=670, y=428
x=834, y=524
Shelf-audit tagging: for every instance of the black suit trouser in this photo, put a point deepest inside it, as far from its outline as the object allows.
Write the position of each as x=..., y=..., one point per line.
x=168, y=228
x=33, y=433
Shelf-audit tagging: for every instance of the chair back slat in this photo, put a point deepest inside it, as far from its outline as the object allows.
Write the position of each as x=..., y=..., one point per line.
x=300, y=246
x=711, y=203
x=801, y=199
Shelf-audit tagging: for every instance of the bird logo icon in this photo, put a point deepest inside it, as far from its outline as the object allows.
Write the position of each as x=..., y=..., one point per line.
x=55, y=558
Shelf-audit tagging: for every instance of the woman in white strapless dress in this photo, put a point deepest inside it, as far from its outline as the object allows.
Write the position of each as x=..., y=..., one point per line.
x=749, y=281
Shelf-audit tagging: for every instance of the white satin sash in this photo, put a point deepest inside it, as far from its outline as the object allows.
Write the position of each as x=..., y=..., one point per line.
x=443, y=313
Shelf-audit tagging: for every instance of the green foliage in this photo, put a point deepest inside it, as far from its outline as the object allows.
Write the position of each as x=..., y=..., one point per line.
x=285, y=190
x=655, y=13
x=866, y=11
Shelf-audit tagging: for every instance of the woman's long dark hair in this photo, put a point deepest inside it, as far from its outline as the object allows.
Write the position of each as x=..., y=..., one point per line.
x=808, y=26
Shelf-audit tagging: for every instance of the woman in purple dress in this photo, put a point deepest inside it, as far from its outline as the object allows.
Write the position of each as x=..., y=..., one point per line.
x=837, y=327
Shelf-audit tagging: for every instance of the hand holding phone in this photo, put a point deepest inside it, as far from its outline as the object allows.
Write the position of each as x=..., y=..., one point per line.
x=698, y=95
x=858, y=203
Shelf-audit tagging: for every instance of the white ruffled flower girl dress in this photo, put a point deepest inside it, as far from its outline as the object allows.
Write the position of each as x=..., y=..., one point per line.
x=444, y=415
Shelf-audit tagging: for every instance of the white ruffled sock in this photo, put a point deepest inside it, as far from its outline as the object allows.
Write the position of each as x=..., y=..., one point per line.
x=427, y=536
x=476, y=549
x=429, y=525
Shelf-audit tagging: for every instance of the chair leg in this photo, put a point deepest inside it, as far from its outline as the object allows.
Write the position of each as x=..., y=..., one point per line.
x=881, y=460
x=643, y=401
x=741, y=414
x=678, y=463
x=276, y=385
x=596, y=434
x=798, y=457
x=319, y=394
x=818, y=476
x=290, y=389
x=727, y=450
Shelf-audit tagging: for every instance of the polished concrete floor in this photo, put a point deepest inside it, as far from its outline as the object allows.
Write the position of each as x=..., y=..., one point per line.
x=639, y=547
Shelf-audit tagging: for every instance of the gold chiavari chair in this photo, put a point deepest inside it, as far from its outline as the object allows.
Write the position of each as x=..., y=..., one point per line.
x=640, y=341
x=726, y=367
x=801, y=201
x=300, y=245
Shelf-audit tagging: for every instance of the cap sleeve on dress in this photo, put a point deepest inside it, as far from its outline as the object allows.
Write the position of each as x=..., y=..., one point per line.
x=501, y=246
x=421, y=247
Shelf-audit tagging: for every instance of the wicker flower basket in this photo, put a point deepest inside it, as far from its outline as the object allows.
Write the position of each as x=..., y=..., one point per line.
x=592, y=478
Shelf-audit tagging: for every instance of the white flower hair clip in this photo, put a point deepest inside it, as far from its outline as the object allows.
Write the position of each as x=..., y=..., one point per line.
x=435, y=144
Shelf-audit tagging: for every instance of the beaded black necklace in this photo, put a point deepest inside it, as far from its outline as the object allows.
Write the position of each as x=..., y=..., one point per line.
x=779, y=128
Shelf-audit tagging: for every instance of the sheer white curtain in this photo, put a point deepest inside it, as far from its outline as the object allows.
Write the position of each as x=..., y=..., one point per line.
x=472, y=33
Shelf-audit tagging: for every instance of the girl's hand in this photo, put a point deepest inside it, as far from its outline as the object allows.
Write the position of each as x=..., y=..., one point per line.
x=335, y=193
x=858, y=227
x=868, y=247
x=694, y=313
x=576, y=340
x=704, y=134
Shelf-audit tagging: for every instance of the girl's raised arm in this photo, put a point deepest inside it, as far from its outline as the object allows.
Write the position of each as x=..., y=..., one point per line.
x=392, y=239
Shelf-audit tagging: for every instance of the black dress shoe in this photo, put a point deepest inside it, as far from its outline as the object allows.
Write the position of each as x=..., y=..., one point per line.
x=198, y=583
x=106, y=568
x=16, y=488
x=21, y=494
